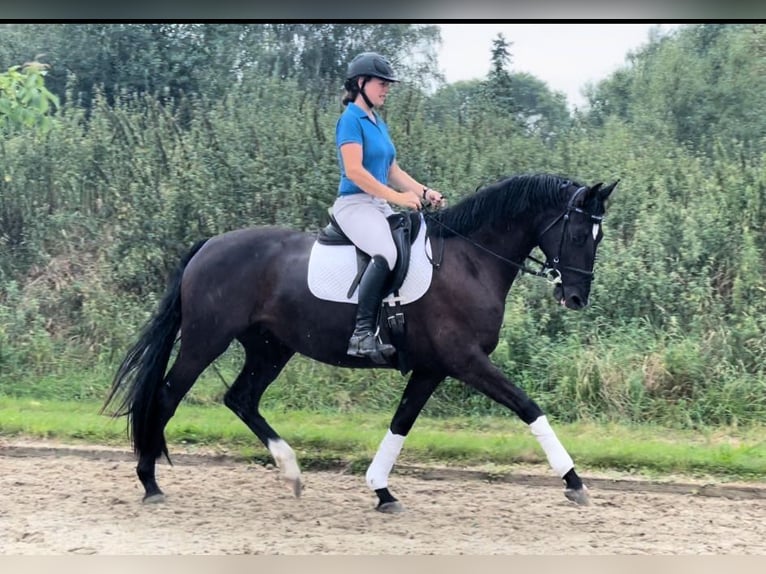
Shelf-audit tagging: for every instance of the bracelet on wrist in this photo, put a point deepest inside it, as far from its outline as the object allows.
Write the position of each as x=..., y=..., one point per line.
x=425, y=190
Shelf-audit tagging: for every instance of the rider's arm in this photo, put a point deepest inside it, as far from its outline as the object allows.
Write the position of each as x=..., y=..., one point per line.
x=351, y=154
x=403, y=180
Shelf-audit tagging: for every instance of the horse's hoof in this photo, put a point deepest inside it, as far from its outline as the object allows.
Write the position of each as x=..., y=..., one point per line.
x=579, y=496
x=394, y=507
x=295, y=485
x=155, y=498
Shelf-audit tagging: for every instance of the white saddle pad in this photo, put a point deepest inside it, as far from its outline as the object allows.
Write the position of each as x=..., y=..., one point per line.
x=332, y=269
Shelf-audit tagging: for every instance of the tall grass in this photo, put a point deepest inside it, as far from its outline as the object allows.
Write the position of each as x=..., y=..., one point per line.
x=629, y=376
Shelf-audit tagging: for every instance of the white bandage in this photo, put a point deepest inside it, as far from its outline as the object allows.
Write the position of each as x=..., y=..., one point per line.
x=284, y=456
x=558, y=457
x=383, y=462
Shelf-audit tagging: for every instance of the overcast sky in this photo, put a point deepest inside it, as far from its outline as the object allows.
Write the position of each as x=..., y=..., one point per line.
x=564, y=56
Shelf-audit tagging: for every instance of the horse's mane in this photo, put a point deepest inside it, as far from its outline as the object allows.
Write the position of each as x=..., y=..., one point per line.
x=496, y=204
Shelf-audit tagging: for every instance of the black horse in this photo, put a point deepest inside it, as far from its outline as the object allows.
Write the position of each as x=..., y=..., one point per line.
x=250, y=285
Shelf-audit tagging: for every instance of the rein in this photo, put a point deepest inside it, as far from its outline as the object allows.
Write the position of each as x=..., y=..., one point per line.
x=545, y=271
x=551, y=273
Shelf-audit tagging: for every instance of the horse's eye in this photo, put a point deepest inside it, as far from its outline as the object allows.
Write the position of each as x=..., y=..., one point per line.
x=579, y=237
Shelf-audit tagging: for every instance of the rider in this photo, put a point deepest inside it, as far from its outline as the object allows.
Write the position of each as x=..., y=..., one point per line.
x=369, y=179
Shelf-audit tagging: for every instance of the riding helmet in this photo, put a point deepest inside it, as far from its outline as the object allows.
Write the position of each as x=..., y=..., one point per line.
x=371, y=64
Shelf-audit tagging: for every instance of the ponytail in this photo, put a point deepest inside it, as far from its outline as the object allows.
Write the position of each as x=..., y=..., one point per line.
x=352, y=91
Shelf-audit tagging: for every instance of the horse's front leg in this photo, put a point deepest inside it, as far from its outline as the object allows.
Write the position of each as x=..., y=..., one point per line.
x=417, y=392
x=476, y=370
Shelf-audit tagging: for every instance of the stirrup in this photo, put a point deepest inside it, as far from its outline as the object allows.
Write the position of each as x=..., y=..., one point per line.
x=378, y=351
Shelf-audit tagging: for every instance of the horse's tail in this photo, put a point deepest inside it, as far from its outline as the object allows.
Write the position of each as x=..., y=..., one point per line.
x=142, y=371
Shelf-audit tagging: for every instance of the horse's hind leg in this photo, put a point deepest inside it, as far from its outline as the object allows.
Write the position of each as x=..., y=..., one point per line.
x=417, y=392
x=264, y=359
x=178, y=381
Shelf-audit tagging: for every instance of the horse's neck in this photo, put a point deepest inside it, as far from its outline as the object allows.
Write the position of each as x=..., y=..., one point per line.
x=501, y=254
x=513, y=245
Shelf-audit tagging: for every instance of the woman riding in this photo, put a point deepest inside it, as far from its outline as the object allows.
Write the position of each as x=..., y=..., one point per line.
x=370, y=178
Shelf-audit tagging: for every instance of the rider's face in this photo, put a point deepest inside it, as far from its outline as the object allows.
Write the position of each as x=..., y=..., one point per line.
x=377, y=90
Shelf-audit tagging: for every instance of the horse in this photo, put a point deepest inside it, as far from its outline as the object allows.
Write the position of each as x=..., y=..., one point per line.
x=250, y=285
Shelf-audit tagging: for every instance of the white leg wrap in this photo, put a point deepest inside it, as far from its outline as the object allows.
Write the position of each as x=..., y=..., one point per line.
x=284, y=456
x=381, y=465
x=558, y=457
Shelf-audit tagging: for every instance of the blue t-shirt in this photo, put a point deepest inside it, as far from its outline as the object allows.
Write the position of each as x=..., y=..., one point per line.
x=378, y=151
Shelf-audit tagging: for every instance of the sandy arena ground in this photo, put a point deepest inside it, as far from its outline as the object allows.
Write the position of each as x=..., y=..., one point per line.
x=63, y=500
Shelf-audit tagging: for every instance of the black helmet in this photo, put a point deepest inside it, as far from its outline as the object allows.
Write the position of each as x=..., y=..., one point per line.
x=370, y=64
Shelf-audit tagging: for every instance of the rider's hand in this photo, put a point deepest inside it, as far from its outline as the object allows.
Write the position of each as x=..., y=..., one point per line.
x=434, y=197
x=409, y=199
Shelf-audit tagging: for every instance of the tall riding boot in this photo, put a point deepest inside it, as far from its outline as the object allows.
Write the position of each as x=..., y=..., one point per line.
x=364, y=342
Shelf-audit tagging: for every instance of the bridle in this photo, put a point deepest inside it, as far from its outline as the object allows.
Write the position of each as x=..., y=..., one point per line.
x=553, y=272
x=548, y=270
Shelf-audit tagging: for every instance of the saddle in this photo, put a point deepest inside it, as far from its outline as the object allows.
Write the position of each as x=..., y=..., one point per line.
x=404, y=229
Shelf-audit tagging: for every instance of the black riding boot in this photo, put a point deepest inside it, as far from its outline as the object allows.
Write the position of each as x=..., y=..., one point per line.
x=364, y=342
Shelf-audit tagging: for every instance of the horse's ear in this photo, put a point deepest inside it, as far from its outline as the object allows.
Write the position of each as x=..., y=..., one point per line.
x=605, y=192
x=591, y=192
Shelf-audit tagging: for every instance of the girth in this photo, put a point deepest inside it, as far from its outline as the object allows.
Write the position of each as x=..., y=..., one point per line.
x=404, y=230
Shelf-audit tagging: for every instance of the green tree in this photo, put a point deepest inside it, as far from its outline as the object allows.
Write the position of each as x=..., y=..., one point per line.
x=25, y=102
x=521, y=97
x=698, y=84
x=499, y=85
x=543, y=112
x=176, y=59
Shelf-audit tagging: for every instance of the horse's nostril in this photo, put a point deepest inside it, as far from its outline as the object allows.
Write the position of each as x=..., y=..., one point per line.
x=575, y=302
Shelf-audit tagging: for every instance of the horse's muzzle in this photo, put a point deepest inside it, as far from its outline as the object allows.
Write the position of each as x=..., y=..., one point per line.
x=571, y=298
